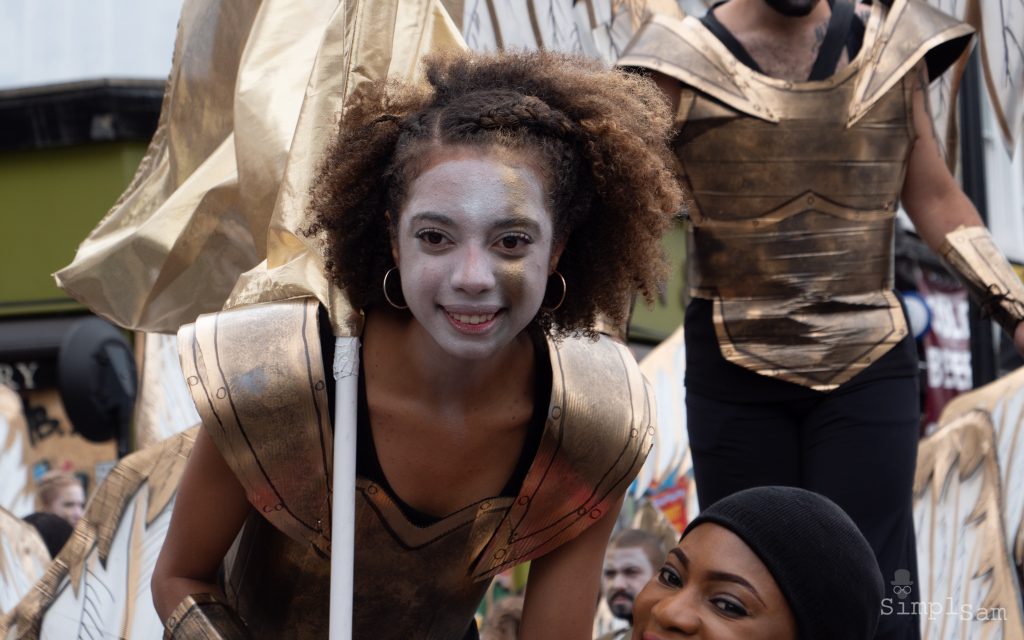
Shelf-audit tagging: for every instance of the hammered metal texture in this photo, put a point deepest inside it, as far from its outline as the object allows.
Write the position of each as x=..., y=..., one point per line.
x=991, y=281
x=256, y=374
x=203, y=616
x=795, y=189
x=599, y=429
x=277, y=585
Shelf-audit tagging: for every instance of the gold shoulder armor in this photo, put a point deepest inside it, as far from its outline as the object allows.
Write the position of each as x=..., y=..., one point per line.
x=599, y=431
x=687, y=51
x=893, y=44
x=257, y=378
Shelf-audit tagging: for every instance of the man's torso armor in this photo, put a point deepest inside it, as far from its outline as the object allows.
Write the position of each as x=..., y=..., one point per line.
x=795, y=187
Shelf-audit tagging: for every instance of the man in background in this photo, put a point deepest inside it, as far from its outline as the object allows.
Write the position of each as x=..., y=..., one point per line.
x=632, y=559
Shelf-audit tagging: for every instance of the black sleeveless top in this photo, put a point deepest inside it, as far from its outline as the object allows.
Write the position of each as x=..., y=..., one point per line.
x=368, y=463
x=845, y=31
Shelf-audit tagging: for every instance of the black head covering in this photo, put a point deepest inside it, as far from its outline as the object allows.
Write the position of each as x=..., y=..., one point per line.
x=54, y=530
x=821, y=562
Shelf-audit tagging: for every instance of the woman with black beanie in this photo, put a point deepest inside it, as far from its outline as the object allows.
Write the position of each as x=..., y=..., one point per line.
x=772, y=563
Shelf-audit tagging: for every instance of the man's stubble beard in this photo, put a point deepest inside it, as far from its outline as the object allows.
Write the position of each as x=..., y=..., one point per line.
x=615, y=609
x=793, y=8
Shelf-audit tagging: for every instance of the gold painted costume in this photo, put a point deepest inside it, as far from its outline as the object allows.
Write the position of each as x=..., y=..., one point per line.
x=989, y=278
x=796, y=187
x=257, y=377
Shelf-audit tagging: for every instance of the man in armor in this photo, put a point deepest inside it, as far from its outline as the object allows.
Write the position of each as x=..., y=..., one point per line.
x=801, y=126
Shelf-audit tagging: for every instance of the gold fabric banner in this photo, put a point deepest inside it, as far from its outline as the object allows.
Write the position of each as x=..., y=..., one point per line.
x=254, y=95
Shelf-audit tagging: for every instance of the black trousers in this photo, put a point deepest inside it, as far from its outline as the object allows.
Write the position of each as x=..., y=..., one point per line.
x=856, y=445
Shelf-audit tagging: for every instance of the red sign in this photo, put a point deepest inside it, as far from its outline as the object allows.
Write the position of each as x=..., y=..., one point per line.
x=947, y=344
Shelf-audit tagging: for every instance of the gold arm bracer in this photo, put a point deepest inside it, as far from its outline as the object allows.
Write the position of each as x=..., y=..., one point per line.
x=989, y=278
x=204, y=616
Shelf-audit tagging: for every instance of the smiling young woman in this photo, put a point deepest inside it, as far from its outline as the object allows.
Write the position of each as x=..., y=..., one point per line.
x=482, y=223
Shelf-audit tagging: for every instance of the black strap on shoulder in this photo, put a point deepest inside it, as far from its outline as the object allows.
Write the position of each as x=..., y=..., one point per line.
x=731, y=43
x=856, y=39
x=836, y=39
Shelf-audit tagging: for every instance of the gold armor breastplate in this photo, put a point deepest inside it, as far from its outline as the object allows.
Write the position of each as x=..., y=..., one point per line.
x=256, y=374
x=796, y=187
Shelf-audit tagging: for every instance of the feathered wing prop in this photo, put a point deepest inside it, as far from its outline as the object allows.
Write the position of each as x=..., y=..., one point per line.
x=98, y=585
x=1002, y=55
x=595, y=28
x=969, y=584
x=23, y=559
x=1000, y=25
x=15, y=494
x=164, y=406
x=1003, y=402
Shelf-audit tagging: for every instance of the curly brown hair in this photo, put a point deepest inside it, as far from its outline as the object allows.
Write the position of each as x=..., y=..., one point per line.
x=599, y=137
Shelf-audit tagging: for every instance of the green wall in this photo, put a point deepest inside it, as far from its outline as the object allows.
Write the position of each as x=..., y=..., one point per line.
x=655, y=324
x=49, y=201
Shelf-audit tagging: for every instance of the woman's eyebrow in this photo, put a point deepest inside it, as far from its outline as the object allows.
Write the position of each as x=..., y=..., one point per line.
x=719, y=576
x=518, y=222
x=431, y=216
x=678, y=553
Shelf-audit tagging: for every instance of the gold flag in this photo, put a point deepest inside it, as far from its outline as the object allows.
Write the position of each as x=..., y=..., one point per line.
x=254, y=95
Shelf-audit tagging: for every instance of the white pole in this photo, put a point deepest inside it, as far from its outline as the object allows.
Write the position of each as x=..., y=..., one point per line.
x=346, y=378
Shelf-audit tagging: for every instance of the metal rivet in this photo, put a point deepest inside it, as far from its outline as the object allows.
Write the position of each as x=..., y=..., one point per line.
x=556, y=412
x=193, y=381
x=221, y=393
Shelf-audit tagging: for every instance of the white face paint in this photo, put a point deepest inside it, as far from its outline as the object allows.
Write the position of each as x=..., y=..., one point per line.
x=474, y=249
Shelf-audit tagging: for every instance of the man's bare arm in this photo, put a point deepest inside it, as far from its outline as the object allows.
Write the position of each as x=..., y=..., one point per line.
x=931, y=196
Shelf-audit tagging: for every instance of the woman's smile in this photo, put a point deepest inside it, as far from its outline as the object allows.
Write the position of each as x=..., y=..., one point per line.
x=474, y=244
x=474, y=323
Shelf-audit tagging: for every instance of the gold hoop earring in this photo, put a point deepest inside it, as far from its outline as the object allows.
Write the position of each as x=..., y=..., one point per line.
x=385, y=287
x=565, y=289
